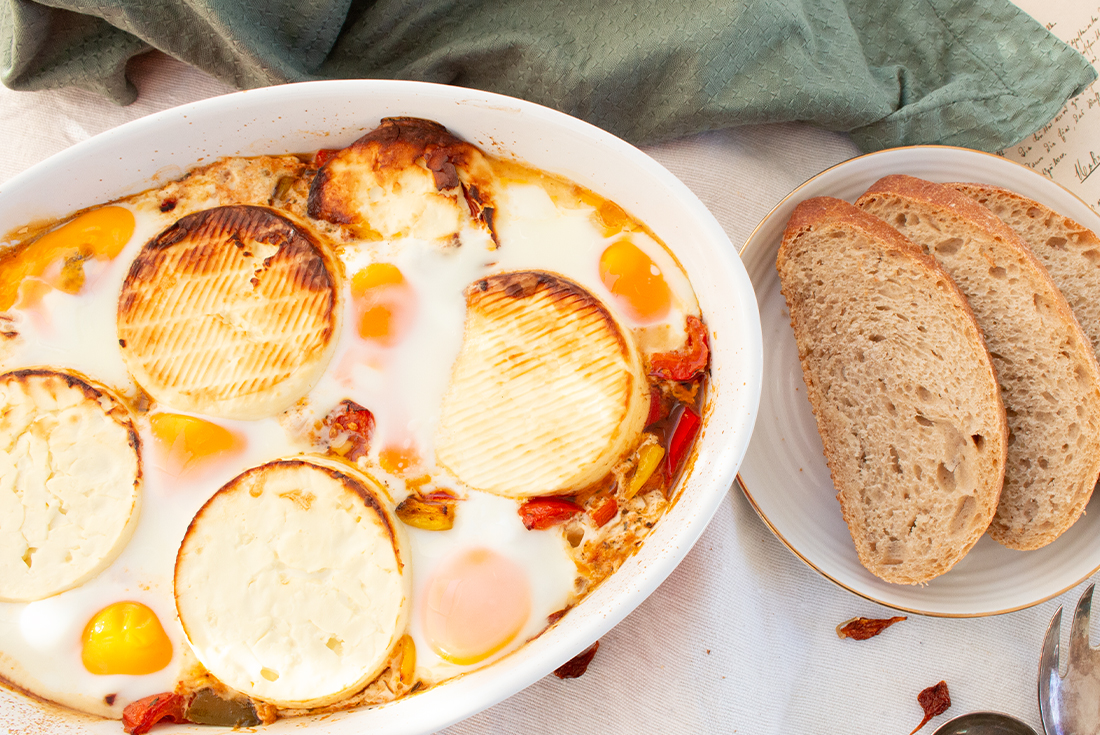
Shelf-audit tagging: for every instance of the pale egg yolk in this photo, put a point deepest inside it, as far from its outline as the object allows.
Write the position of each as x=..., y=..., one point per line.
x=635, y=280
x=476, y=603
x=125, y=638
x=399, y=459
x=99, y=234
x=384, y=302
x=186, y=441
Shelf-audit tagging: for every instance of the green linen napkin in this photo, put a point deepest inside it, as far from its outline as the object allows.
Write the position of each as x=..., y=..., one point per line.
x=974, y=73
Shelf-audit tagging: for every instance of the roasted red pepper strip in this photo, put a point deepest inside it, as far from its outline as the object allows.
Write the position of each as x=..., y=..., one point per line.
x=140, y=716
x=656, y=406
x=684, y=364
x=603, y=511
x=687, y=426
x=323, y=156
x=541, y=513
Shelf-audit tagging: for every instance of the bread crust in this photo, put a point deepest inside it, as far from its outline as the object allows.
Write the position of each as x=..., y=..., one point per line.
x=1069, y=251
x=880, y=396
x=1046, y=368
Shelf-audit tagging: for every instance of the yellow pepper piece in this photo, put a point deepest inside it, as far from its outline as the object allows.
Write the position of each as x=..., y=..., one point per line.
x=408, y=659
x=649, y=459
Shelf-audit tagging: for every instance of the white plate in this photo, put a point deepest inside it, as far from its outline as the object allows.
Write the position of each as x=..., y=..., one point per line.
x=784, y=474
x=305, y=117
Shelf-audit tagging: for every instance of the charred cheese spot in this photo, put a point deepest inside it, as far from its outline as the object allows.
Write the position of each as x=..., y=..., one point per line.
x=407, y=178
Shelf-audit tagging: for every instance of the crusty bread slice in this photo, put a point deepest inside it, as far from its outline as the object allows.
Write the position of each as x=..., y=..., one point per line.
x=1069, y=251
x=902, y=388
x=1050, y=383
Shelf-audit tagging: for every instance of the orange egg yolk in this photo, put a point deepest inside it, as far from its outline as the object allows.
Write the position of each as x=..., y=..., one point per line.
x=186, y=441
x=55, y=260
x=476, y=604
x=125, y=638
x=399, y=459
x=384, y=303
x=635, y=280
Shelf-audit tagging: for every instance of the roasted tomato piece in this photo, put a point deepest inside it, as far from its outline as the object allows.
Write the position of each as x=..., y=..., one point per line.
x=541, y=513
x=323, y=156
x=140, y=716
x=687, y=363
x=348, y=430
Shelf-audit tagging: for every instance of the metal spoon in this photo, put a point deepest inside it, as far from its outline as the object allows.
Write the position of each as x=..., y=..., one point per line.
x=985, y=723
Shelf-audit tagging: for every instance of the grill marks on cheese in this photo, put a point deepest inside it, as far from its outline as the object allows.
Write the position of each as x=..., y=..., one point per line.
x=315, y=598
x=1049, y=379
x=901, y=386
x=70, y=481
x=547, y=392
x=230, y=312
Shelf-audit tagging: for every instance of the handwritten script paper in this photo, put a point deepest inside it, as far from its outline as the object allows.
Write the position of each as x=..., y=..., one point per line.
x=1067, y=149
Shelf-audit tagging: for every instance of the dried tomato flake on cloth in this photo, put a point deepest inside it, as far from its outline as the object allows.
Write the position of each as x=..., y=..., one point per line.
x=935, y=700
x=861, y=629
x=577, y=665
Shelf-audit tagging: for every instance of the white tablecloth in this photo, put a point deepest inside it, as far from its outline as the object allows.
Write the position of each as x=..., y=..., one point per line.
x=741, y=638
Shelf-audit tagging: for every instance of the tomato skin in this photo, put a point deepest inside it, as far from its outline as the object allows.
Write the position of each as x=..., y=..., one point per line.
x=541, y=513
x=687, y=363
x=323, y=156
x=140, y=716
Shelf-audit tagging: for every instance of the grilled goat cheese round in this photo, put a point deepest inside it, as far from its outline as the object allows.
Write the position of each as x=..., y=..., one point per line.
x=289, y=583
x=70, y=482
x=231, y=312
x=547, y=393
x=408, y=177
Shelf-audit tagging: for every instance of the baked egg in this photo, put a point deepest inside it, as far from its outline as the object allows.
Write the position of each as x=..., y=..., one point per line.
x=373, y=512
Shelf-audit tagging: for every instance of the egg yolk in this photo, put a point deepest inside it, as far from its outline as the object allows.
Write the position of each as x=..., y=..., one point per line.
x=384, y=302
x=399, y=459
x=125, y=638
x=476, y=604
x=186, y=441
x=635, y=280
x=55, y=260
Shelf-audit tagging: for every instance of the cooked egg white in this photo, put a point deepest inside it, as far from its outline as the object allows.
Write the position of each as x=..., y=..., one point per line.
x=402, y=382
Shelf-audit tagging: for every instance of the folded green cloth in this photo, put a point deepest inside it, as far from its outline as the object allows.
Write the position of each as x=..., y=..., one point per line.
x=974, y=73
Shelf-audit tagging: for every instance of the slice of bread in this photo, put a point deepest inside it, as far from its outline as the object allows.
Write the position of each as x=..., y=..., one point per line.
x=902, y=388
x=1050, y=383
x=1069, y=251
